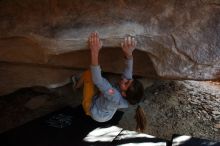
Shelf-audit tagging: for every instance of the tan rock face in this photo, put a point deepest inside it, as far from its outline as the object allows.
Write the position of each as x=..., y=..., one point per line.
x=15, y=76
x=176, y=39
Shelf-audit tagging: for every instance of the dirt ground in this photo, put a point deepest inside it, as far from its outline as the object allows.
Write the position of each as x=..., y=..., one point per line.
x=172, y=107
x=180, y=107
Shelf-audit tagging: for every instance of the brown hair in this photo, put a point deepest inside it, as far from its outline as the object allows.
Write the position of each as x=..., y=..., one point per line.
x=134, y=94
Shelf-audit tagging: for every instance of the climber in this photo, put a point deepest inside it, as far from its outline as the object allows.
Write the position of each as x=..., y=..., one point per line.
x=102, y=105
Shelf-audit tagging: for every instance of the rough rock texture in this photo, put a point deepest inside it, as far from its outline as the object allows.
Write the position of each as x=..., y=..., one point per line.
x=180, y=39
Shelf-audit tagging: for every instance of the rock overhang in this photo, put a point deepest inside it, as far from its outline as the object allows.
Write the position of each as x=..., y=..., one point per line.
x=178, y=40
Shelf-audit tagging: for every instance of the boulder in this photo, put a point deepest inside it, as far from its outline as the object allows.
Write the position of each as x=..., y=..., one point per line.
x=176, y=39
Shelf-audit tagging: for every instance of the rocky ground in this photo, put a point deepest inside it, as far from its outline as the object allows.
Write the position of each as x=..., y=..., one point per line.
x=181, y=107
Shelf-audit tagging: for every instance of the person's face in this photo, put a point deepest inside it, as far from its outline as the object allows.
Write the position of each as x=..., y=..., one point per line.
x=124, y=84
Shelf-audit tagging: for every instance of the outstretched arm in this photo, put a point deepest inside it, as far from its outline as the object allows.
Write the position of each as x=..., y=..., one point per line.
x=128, y=46
x=95, y=46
